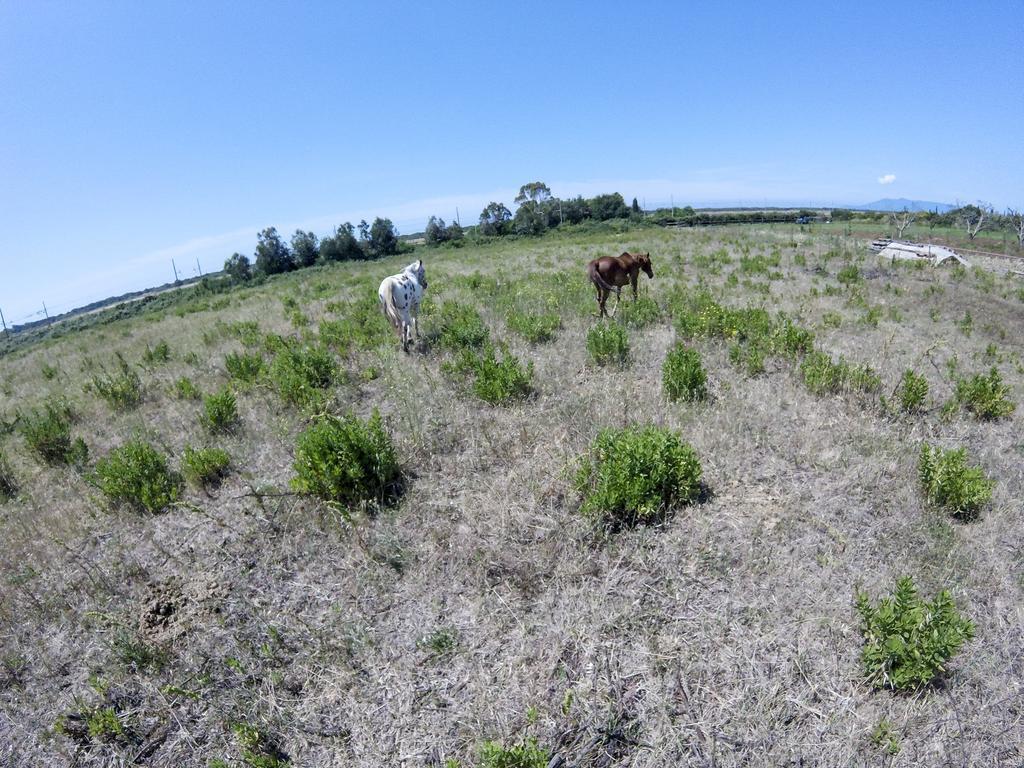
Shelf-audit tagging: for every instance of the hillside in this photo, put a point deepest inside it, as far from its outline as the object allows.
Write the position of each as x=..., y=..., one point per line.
x=900, y=204
x=475, y=600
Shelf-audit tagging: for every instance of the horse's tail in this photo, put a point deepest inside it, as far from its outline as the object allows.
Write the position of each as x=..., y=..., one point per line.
x=597, y=279
x=387, y=301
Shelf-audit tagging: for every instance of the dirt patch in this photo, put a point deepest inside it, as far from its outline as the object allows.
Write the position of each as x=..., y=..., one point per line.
x=170, y=607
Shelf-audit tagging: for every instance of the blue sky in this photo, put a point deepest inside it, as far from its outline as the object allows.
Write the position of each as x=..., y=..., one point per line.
x=133, y=133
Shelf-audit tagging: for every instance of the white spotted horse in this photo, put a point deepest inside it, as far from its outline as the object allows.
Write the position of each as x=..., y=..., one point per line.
x=400, y=297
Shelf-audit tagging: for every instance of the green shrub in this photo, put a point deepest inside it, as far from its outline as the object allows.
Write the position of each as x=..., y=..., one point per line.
x=608, y=343
x=137, y=475
x=121, y=389
x=683, y=375
x=244, y=366
x=634, y=474
x=526, y=755
x=985, y=396
x=949, y=483
x=48, y=434
x=258, y=749
x=908, y=640
x=347, y=460
x=220, y=411
x=832, y=320
x=912, y=392
x=247, y=332
x=301, y=374
x=640, y=313
x=500, y=382
x=185, y=389
x=104, y=725
x=204, y=466
x=791, y=340
x=8, y=482
x=49, y=371
x=460, y=326
x=335, y=334
x=823, y=376
x=849, y=275
x=535, y=328
x=158, y=354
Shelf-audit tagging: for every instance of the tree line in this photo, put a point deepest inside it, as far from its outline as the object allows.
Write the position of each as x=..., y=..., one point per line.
x=970, y=219
x=347, y=243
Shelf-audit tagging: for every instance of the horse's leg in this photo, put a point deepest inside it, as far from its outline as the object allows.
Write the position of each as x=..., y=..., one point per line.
x=633, y=279
x=618, y=298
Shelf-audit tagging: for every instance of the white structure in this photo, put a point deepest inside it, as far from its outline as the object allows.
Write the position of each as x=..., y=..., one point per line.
x=935, y=254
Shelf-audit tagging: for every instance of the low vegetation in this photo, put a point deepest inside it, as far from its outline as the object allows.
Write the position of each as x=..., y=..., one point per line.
x=47, y=432
x=608, y=344
x=949, y=482
x=204, y=466
x=683, y=375
x=220, y=411
x=121, y=389
x=985, y=396
x=136, y=475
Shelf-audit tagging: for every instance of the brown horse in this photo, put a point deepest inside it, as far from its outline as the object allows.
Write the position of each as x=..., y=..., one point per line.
x=611, y=273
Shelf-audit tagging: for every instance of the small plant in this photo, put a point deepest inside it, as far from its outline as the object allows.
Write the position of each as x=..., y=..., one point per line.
x=529, y=754
x=104, y=724
x=640, y=313
x=884, y=737
x=48, y=434
x=495, y=381
x=824, y=376
x=156, y=355
x=244, y=366
x=608, y=343
x=137, y=475
x=966, y=324
x=247, y=332
x=136, y=654
x=348, y=461
x=634, y=474
x=258, y=749
x=204, y=466
x=122, y=389
x=950, y=483
x=832, y=320
x=49, y=371
x=912, y=392
x=460, y=326
x=185, y=389
x=683, y=376
x=985, y=396
x=302, y=374
x=440, y=643
x=908, y=640
x=334, y=334
x=535, y=328
x=220, y=411
x=8, y=483
x=849, y=275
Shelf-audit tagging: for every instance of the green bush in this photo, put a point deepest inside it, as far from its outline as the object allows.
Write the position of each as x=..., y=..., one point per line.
x=823, y=376
x=683, y=376
x=8, y=482
x=985, y=396
x=158, y=354
x=347, y=460
x=204, y=466
x=48, y=435
x=526, y=755
x=535, y=328
x=849, y=275
x=640, y=313
x=634, y=474
x=259, y=750
x=247, y=332
x=908, y=640
x=949, y=483
x=137, y=475
x=49, y=371
x=608, y=343
x=335, y=334
x=495, y=381
x=220, y=411
x=185, y=389
x=302, y=374
x=460, y=326
x=912, y=392
x=121, y=389
x=244, y=366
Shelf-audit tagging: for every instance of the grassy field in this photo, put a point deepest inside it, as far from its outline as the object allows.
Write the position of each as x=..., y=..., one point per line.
x=477, y=610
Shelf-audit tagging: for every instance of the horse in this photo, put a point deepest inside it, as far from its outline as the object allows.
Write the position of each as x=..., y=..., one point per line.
x=611, y=273
x=400, y=297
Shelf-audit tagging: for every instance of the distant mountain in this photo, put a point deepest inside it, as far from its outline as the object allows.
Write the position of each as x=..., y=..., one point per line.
x=898, y=204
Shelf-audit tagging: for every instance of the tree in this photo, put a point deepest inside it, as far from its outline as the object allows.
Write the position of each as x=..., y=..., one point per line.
x=364, y=231
x=455, y=233
x=901, y=220
x=611, y=206
x=1016, y=220
x=272, y=255
x=436, y=232
x=305, y=248
x=535, y=191
x=574, y=211
x=238, y=268
x=636, y=206
x=342, y=245
x=974, y=218
x=530, y=219
x=383, y=238
x=494, y=219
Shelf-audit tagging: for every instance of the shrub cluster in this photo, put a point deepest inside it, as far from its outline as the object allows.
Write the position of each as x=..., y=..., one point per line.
x=608, y=343
x=220, y=411
x=985, y=396
x=48, y=435
x=137, y=475
x=640, y=313
x=908, y=640
x=912, y=392
x=121, y=389
x=185, y=389
x=529, y=754
x=634, y=474
x=683, y=375
x=244, y=366
x=348, y=461
x=498, y=381
x=950, y=483
x=301, y=374
x=460, y=326
x=204, y=466
x=537, y=328
x=155, y=355
x=823, y=376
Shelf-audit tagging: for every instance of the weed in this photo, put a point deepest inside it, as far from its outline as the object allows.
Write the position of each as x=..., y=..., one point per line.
x=244, y=366
x=949, y=483
x=460, y=327
x=137, y=475
x=849, y=275
x=640, y=313
x=121, y=389
x=301, y=374
x=348, y=461
x=495, y=381
x=157, y=355
x=258, y=749
x=608, y=343
x=683, y=375
x=966, y=324
x=884, y=737
x=104, y=724
x=335, y=335
x=48, y=434
x=634, y=474
x=985, y=396
x=440, y=643
x=49, y=371
x=823, y=376
x=535, y=328
x=204, y=466
x=912, y=392
x=136, y=654
x=185, y=389
x=220, y=411
x=529, y=754
x=908, y=640
x=247, y=332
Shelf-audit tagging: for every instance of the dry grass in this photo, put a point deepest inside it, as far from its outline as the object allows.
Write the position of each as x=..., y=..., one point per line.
x=483, y=606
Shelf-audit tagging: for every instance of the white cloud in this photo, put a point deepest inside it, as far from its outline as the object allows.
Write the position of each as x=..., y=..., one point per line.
x=889, y=178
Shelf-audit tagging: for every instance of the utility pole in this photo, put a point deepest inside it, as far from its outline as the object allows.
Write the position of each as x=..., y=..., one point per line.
x=673, y=201
x=199, y=267
x=175, y=268
x=47, y=314
x=4, y=323
x=561, y=218
x=457, y=220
